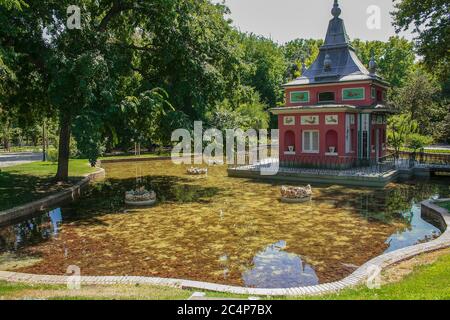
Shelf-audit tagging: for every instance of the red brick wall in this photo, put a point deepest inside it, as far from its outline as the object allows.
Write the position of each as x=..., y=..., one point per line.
x=298, y=129
x=337, y=89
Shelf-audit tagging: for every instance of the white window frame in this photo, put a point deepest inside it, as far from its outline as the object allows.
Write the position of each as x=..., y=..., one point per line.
x=363, y=98
x=310, y=141
x=297, y=91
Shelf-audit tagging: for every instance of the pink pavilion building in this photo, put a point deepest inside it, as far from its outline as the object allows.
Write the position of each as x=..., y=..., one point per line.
x=335, y=113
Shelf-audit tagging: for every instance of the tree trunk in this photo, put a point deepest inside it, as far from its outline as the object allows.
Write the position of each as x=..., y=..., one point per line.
x=64, y=148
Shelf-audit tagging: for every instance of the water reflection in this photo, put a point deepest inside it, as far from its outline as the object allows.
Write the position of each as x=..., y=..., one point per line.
x=417, y=231
x=31, y=231
x=275, y=268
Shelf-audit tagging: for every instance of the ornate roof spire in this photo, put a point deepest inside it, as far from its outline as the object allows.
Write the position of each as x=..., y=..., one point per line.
x=336, y=11
x=337, y=60
x=372, y=62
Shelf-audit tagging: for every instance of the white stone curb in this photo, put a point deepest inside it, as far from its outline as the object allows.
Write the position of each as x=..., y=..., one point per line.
x=357, y=277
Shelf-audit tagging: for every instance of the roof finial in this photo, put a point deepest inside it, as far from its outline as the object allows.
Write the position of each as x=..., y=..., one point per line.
x=372, y=62
x=336, y=11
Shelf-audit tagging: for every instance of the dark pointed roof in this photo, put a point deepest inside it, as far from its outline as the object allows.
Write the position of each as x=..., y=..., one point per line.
x=337, y=60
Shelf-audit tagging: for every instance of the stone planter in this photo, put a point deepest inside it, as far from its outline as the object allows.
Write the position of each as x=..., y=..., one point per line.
x=140, y=197
x=295, y=200
x=140, y=203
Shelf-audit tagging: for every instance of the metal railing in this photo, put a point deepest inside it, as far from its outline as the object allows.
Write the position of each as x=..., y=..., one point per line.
x=424, y=158
x=325, y=165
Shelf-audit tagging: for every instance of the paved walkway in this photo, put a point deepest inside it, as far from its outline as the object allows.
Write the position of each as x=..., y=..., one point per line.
x=12, y=159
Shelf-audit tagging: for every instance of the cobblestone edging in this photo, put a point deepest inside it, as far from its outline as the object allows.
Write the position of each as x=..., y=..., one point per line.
x=357, y=277
x=68, y=194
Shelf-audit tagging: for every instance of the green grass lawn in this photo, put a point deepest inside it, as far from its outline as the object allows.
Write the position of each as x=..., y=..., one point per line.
x=445, y=205
x=446, y=151
x=426, y=282
x=429, y=282
x=28, y=182
x=9, y=291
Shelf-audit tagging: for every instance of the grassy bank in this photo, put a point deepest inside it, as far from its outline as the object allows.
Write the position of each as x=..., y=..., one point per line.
x=10, y=291
x=425, y=282
x=423, y=277
x=440, y=151
x=445, y=205
x=28, y=182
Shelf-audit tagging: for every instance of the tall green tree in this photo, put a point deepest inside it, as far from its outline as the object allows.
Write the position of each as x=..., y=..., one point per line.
x=395, y=58
x=300, y=51
x=264, y=67
x=430, y=21
x=420, y=97
x=400, y=127
x=183, y=46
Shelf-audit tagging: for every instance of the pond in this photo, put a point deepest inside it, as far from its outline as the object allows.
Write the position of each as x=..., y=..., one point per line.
x=221, y=229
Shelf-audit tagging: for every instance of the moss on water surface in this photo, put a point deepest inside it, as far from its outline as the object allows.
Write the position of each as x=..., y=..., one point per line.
x=223, y=230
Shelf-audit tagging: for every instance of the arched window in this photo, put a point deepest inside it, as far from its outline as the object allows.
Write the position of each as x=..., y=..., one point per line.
x=331, y=141
x=289, y=141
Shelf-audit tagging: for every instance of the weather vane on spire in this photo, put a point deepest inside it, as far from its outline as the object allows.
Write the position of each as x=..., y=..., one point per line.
x=336, y=11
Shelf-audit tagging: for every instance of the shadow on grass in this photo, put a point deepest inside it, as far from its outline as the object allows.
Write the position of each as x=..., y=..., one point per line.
x=18, y=189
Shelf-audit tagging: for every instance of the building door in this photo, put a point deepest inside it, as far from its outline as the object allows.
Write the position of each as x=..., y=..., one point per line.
x=377, y=144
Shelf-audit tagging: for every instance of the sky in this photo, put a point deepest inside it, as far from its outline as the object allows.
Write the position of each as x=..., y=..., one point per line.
x=285, y=20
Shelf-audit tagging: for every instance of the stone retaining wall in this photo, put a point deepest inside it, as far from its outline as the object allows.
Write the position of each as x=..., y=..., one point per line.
x=68, y=194
x=360, y=181
x=141, y=159
x=357, y=277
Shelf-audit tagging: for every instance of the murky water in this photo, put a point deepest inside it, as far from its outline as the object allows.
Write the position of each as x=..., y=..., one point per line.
x=221, y=229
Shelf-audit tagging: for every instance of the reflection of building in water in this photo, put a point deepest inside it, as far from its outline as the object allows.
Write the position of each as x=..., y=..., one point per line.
x=275, y=268
x=31, y=231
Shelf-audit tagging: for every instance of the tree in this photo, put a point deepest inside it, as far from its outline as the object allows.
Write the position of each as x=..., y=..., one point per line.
x=9, y=4
x=264, y=69
x=420, y=97
x=430, y=21
x=183, y=46
x=300, y=51
x=416, y=141
x=400, y=127
x=395, y=58
x=250, y=113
